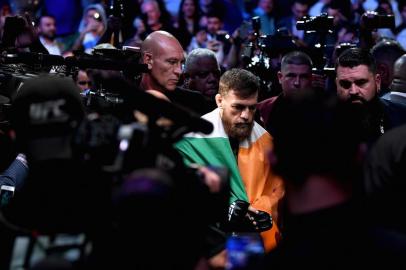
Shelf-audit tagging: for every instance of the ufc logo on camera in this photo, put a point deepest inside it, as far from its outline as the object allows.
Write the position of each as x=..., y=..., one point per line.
x=48, y=112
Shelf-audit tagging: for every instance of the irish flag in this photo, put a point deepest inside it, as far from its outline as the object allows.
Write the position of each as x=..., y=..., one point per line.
x=252, y=179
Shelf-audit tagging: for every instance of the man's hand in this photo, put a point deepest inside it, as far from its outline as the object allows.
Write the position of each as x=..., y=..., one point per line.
x=245, y=218
x=213, y=45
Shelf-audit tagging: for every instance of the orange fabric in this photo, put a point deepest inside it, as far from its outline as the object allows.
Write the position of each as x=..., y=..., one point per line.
x=264, y=189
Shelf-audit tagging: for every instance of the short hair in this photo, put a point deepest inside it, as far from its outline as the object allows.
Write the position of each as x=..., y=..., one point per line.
x=387, y=50
x=38, y=21
x=154, y=2
x=354, y=57
x=243, y=82
x=196, y=54
x=296, y=58
x=215, y=14
x=301, y=2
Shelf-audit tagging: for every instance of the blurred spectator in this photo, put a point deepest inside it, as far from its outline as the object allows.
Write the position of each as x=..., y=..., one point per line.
x=154, y=19
x=400, y=31
x=91, y=28
x=299, y=9
x=83, y=81
x=373, y=4
x=5, y=11
x=265, y=10
x=214, y=38
x=319, y=7
x=397, y=92
x=173, y=7
x=384, y=8
x=188, y=21
x=347, y=34
x=23, y=6
x=139, y=34
x=209, y=7
x=386, y=52
x=46, y=28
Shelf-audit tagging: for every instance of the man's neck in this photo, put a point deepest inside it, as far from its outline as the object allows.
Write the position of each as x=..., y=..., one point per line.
x=47, y=40
x=147, y=83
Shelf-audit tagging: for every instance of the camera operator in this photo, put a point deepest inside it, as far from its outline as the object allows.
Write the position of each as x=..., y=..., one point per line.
x=164, y=56
x=239, y=143
x=83, y=81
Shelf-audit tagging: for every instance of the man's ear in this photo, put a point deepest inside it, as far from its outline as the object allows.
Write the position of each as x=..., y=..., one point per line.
x=378, y=82
x=147, y=58
x=280, y=75
x=219, y=100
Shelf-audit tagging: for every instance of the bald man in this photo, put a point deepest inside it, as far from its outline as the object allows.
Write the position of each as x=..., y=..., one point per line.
x=164, y=56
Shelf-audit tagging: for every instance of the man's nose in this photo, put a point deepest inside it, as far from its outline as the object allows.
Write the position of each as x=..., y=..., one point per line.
x=296, y=82
x=178, y=69
x=353, y=89
x=245, y=114
x=211, y=77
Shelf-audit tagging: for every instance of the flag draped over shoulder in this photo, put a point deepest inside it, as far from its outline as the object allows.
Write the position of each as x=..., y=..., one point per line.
x=251, y=178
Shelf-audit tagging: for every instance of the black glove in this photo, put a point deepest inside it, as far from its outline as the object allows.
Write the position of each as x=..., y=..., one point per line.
x=237, y=211
x=241, y=219
x=262, y=221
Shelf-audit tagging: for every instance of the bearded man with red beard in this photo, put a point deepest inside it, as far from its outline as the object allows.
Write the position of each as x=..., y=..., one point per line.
x=242, y=146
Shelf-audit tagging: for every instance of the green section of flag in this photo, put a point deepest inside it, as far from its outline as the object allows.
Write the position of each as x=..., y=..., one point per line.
x=216, y=152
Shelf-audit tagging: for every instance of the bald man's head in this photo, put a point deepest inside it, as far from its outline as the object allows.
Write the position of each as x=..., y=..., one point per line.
x=164, y=56
x=156, y=40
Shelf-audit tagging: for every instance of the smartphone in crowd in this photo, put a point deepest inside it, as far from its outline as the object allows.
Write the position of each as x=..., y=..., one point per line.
x=6, y=193
x=244, y=251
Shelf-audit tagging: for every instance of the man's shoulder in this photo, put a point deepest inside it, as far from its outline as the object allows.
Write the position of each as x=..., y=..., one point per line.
x=395, y=112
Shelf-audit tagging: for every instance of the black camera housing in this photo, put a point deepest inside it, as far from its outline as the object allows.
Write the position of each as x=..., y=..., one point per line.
x=321, y=23
x=373, y=20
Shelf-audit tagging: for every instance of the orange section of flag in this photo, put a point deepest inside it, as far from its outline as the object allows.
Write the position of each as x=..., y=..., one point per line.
x=264, y=189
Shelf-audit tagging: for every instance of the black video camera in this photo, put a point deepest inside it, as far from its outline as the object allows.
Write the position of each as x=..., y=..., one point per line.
x=280, y=43
x=321, y=23
x=372, y=20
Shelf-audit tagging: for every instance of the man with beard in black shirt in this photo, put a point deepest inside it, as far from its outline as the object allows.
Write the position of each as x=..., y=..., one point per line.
x=358, y=83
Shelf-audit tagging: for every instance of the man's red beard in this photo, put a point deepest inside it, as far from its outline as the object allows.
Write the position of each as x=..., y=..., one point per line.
x=239, y=131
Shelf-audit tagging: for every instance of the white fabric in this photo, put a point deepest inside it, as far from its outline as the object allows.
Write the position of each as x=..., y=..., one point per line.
x=52, y=48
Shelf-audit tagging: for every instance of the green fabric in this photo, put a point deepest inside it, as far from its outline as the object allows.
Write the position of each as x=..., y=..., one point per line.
x=206, y=151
